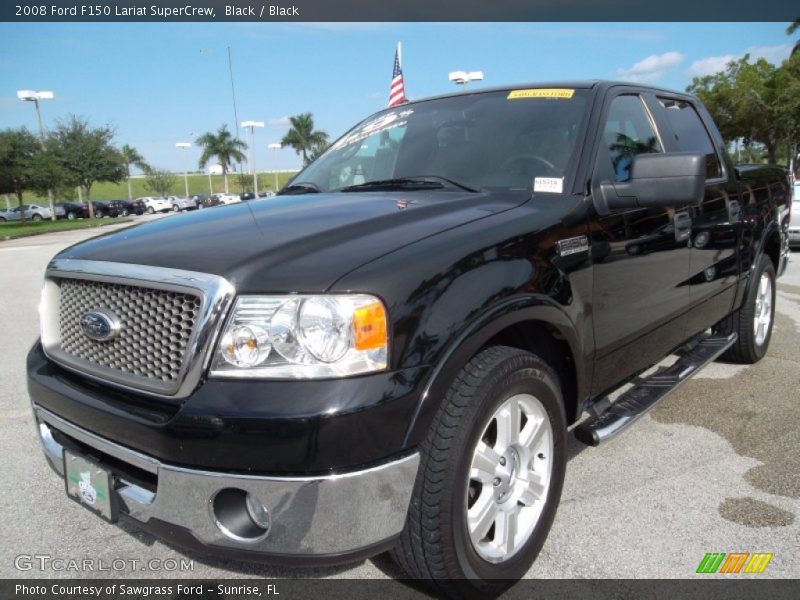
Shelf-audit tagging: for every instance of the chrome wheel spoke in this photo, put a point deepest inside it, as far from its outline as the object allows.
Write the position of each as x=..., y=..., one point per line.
x=484, y=462
x=505, y=530
x=532, y=490
x=482, y=515
x=532, y=434
x=508, y=424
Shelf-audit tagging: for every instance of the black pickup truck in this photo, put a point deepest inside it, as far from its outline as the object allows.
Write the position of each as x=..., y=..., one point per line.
x=391, y=353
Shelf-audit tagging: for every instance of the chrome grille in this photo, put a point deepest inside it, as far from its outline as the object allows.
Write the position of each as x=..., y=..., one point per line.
x=156, y=327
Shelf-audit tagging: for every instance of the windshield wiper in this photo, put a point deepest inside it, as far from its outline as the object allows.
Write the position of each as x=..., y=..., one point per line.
x=420, y=182
x=304, y=187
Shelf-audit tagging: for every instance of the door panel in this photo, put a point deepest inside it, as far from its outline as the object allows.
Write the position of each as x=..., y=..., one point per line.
x=641, y=259
x=714, y=265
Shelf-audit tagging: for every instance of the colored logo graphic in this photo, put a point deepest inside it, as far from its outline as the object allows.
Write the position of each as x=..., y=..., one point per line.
x=734, y=562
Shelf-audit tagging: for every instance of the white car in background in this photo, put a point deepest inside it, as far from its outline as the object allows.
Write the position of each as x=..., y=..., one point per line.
x=229, y=198
x=794, y=218
x=33, y=212
x=179, y=203
x=154, y=204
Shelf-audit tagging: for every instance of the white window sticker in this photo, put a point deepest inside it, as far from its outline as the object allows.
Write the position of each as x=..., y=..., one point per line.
x=553, y=185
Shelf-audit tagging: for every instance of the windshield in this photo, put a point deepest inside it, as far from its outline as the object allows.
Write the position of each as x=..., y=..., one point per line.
x=481, y=141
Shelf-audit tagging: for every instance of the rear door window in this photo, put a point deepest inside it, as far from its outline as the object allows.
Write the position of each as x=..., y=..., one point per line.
x=690, y=133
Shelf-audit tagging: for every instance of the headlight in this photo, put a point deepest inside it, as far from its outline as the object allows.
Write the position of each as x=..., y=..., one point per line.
x=302, y=337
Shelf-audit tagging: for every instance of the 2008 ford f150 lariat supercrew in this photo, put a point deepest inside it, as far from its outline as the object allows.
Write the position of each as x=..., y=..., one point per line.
x=390, y=353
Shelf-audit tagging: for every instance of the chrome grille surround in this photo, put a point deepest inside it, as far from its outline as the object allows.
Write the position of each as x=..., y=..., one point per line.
x=171, y=319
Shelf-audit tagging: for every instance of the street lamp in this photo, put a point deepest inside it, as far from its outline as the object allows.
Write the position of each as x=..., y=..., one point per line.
x=251, y=125
x=464, y=77
x=185, y=146
x=33, y=96
x=275, y=147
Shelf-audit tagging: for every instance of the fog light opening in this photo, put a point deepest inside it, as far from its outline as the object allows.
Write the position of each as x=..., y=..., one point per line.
x=240, y=515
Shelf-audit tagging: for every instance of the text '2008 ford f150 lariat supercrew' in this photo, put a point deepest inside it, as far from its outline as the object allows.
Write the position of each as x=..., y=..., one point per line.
x=390, y=353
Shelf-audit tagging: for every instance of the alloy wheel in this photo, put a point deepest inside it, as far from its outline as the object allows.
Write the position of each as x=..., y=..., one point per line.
x=509, y=478
x=762, y=316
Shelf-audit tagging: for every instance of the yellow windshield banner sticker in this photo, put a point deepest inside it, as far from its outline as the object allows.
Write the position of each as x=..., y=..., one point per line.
x=541, y=93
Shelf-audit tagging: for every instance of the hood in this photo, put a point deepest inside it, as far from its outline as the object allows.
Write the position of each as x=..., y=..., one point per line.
x=300, y=243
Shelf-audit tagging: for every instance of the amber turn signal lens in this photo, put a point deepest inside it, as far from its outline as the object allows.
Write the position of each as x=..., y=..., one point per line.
x=369, y=324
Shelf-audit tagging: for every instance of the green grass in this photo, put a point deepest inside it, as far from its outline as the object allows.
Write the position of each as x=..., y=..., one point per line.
x=15, y=229
x=198, y=184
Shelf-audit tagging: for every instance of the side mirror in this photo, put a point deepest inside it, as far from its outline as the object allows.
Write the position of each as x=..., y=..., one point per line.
x=674, y=179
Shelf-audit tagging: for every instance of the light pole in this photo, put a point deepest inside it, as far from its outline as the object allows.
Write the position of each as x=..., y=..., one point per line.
x=33, y=96
x=464, y=77
x=275, y=147
x=251, y=125
x=185, y=146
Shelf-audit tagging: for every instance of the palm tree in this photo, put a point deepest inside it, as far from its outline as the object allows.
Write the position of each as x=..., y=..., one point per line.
x=790, y=30
x=222, y=146
x=131, y=158
x=303, y=138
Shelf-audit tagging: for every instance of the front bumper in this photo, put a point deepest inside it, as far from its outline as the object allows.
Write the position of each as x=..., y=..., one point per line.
x=325, y=519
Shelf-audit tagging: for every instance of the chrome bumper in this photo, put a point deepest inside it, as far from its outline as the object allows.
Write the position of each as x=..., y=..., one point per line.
x=334, y=514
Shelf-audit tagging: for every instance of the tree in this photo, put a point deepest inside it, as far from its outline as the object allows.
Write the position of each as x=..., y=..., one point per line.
x=131, y=158
x=222, y=146
x=302, y=136
x=87, y=154
x=790, y=31
x=743, y=100
x=18, y=150
x=158, y=181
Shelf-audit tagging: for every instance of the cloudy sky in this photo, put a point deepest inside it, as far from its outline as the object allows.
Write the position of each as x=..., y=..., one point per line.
x=163, y=83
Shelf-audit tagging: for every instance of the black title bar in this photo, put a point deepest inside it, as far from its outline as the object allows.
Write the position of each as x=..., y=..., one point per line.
x=394, y=10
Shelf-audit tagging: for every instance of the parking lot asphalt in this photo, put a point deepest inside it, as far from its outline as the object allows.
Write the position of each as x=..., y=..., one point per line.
x=714, y=468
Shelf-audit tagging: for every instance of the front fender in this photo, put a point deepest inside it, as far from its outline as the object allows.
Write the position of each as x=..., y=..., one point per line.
x=539, y=309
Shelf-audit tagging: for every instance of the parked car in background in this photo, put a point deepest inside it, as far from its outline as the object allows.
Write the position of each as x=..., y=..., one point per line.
x=74, y=210
x=229, y=198
x=6, y=214
x=247, y=196
x=154, y=204
x=33, y=212
x=206, y=200
x=106, y=208
x=131, y=207
x=794, y=220
x=179, y=203
x=267, y=194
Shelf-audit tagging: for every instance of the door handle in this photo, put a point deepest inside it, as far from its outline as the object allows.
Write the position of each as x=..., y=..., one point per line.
x=683, y=226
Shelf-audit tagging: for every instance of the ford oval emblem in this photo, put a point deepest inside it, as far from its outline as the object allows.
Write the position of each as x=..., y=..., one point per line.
x=100, y=325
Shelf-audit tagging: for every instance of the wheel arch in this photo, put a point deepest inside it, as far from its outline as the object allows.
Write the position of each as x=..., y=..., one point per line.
x=534, y=324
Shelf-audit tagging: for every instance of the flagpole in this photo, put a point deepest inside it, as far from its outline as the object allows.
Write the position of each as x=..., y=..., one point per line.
x=400, y=54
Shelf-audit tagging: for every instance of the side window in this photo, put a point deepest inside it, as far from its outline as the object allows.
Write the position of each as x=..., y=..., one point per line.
x=690, y=133
x=628, y=131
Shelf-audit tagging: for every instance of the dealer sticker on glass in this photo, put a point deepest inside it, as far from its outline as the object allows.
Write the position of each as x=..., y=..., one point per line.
x=553, y=185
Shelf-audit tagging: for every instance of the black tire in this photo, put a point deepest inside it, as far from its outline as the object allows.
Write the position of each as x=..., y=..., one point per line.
x=435, y=545
x=2, y=219
x=37, y=217
x=98, y=214
x=124, y=212
x=150, y=210
x=71, y=216
x=176, y=208
x=747, y=350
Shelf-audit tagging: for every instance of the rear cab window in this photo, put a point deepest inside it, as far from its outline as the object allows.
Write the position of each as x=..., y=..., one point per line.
x=690, y=134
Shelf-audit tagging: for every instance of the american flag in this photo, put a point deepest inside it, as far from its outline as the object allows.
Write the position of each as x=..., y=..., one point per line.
x=397, y=92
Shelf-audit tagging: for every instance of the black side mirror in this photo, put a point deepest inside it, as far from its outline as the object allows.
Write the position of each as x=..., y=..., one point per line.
x=675, y=179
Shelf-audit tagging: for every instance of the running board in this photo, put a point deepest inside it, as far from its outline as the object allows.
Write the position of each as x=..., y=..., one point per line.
x=609, y=418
